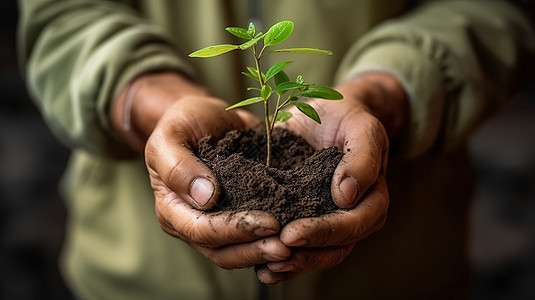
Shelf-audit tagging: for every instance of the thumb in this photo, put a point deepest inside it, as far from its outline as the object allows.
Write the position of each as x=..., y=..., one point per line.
x=174, y=168
x=363, y=161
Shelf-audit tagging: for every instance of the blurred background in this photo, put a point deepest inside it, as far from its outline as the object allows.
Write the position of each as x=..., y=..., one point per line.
x=503, y=233
x=32, y=215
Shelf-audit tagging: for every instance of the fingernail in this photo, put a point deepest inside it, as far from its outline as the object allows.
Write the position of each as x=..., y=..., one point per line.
x=349, y=189
x=298, y=243
x=272, y=257
x=201, y=191
x=281, y=267
x=263, y=232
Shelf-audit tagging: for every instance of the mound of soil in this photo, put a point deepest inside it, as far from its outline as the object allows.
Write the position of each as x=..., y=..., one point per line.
x=296, y=185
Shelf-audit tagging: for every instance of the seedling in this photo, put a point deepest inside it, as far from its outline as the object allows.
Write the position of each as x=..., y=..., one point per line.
x=294, y=91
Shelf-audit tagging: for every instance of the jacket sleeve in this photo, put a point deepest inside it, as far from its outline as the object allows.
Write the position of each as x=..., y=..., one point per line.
x=459, y=62
x=78, y=55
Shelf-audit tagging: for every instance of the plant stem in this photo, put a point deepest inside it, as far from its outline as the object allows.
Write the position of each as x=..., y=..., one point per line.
x=269, y=127
x=268, y=133
x=277, y=108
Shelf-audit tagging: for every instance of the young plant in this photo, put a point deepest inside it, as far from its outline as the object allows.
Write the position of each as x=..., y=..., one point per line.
x=285, y=92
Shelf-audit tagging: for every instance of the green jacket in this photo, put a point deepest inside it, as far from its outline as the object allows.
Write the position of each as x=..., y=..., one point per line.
x=459, y=62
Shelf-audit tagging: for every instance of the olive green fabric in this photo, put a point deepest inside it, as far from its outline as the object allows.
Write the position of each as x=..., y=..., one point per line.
x=458, y=60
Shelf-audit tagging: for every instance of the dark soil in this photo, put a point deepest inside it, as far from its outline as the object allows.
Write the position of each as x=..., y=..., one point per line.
x=297, y=185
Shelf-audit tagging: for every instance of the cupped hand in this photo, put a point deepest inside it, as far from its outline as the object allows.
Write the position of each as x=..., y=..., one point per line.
x=360, y=126
x=169, y=115
x=184, y=188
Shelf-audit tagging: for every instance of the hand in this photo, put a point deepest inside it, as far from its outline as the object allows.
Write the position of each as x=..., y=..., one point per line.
x=185, y=188
x=374, y=108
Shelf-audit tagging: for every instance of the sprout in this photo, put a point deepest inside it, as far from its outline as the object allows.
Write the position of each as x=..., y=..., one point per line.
x=281, y=90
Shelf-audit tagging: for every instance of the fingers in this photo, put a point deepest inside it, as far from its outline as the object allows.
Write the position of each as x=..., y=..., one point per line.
x=213, y=230
x=306, y=260
x=230, y=240
x=266, y=276
x=324, y=242
x=303, y=260
x=365, y=150
x=343, y=227
x=246, y=255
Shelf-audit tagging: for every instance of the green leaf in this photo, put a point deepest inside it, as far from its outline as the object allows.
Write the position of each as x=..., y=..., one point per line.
x=250, y=43
x=251, y=31
x=253, y=73
x=278, y=33
x=323, y=92
x=280, y=78
x=283, y=116
x=246, y=102
x=266, y=91
x=253, y=89
x=300, y=79
x=303, y=50
x=286, y=86
x=239, y=32
x=250, y=75
x=212, y=51
x=276, y=68
x=309, y=111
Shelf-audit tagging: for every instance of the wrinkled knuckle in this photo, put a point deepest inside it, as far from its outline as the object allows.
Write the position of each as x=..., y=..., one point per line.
x=189, y=232
x=205, y=240
x=176, y=173
x=164, y=224
x=216, y=259
x=167, y=227
x=169, y=230
x=251, y=258
x=223, y=265
x=237, y=235
x=359, y=230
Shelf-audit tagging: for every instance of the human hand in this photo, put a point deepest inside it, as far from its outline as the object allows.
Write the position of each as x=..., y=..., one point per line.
x=184, y=187
x=374, y=109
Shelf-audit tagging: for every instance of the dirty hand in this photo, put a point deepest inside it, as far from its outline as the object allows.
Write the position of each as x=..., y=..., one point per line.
x=373, y=111
x=172, y=114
